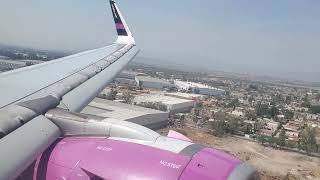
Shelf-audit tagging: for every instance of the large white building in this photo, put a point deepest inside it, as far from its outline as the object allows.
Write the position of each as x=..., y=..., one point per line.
x=12, y=63
x=154, y=83
x=127, y=78
x=199, y=88
x=189, y=96
x=125, y=82
x=150, y=118
x=174, y=105
x=128, y=75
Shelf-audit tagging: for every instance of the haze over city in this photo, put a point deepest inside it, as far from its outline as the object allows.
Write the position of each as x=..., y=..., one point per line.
x=188, y=90
x=278, y=38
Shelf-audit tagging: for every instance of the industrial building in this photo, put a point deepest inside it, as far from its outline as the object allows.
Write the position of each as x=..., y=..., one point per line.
x=153, y=83
x=7, y=64
x=31, y=61
x=199, y=88
x=127, y=78
x=125, y=82
x=129, y=75
x=150, y=118
x=174, y=105
x=12, y=64
x=189, y=96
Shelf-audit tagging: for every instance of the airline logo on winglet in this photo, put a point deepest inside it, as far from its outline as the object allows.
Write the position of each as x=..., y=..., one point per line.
x=117, y=19
x=124, y=33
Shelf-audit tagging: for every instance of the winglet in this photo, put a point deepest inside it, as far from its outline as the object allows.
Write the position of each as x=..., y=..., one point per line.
x=124, y=33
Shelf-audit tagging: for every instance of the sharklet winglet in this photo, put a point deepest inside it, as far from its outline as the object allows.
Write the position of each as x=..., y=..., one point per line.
x=124, y=33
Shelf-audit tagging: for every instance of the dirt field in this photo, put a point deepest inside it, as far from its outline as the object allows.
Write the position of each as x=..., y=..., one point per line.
x=271, y=163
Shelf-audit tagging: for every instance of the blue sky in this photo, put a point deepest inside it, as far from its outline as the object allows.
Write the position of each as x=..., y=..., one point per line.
x=269, y=37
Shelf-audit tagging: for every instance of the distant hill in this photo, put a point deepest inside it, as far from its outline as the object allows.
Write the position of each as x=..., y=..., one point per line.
x=299, y=79
x=16, y=52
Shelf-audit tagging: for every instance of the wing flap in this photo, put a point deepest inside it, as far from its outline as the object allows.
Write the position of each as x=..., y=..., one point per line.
x=78, y=98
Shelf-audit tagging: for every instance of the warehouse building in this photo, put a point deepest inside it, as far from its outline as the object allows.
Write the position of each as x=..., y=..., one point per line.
x=127, y=78
x=12, y=64
x=125, y=82
x=199, y=88
x=189, y=96
x=174, y=105
x=153, y=83
x=149, y=118
x=128, y=75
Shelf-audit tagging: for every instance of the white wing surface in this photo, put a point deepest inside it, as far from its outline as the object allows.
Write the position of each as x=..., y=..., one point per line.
x=70, y=83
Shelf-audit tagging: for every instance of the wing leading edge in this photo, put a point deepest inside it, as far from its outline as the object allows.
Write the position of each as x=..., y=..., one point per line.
x=70, y=82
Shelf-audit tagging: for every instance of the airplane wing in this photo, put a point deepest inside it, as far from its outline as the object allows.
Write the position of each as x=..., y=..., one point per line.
x=69, y=83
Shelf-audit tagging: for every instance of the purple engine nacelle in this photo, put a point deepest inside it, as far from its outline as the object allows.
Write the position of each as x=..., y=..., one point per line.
x=83, y=158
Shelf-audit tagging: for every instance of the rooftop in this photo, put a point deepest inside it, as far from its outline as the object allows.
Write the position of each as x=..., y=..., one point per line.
x=148, y=78
x=4, y=57
x=129, y=73
x=293, y=126
x=32, y=61
x=12, y=62
x=197, y=85
x=184, y=95
x=160, y=98
x=117, y=110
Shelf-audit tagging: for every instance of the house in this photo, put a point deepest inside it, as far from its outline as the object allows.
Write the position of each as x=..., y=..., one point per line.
x=237, y=113
x=292, y=129
x=269, y=128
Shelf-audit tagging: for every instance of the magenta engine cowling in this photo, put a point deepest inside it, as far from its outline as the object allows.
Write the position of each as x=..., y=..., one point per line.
x=101, y=158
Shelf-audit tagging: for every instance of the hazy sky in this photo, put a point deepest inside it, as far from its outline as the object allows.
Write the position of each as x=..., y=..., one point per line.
x=249, y=36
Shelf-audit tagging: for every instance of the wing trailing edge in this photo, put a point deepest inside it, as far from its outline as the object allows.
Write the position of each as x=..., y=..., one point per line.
x=124, y=33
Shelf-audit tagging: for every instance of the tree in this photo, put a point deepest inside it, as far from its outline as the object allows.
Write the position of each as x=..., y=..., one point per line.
x=233, y=104
x=154, y=105
x=127, y=97
x=218, y=128
x=262, y=139
x=305, y=102
x=205, y=114
x=267, y=139
x=161, y=106
x=250, y=99
x=249, y=128
x=253, y=87
x=112, y=94
x=232, y=126
x=292, y=144
x=272, y=140
x=251, y=115
x=199, y=106
x=220, y=115
x=315, y=109
x=274, y=111
x=307, y=140
x=288, y=114
x=282, y=138
x=258, y=125
x=288, y=99
x=318, y=97
x=262, y=109
x=277, y=99
x=195, y=112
